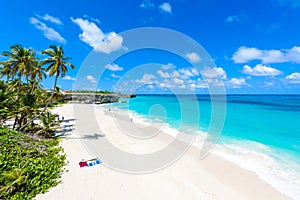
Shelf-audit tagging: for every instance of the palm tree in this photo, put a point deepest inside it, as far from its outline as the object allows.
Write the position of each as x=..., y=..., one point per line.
x=6, y=71
x=37, y=75
x=13, y=180
x=3, y=105
x=49, y=124
x=57, y=63
x=20, y=60
x=19, y=63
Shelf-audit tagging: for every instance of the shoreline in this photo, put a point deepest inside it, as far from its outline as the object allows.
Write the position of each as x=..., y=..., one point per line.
x=188, y=177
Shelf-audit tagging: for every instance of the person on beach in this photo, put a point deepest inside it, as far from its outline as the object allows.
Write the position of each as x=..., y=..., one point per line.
x=62, y=118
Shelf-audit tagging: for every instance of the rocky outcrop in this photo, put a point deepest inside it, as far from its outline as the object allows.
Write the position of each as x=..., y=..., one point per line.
x=94, y=98
x=127, y=95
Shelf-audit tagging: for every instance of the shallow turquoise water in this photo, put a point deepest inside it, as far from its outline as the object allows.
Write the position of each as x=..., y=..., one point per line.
x=273, y=120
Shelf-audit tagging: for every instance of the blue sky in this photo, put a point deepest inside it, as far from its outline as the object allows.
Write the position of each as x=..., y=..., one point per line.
x=255, y=44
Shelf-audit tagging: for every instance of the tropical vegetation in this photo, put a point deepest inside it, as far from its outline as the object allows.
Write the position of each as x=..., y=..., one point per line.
x=28, y=165
x=30, y=161
x=22, y=97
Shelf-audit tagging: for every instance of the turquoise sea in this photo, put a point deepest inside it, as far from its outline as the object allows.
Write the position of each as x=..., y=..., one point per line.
x=261, y=132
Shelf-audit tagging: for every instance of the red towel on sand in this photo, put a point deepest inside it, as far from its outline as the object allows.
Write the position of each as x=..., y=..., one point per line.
x=83, y=164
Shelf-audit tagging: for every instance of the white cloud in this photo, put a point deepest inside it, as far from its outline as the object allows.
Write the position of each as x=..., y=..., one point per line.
x=260, y=70
x=96, y=38
x=237, y=82
x=49, y=33
x=112, y=42
x=198, y=84
x=175, y=74
x=147, y=4
x=115, y=76
x=193, y=57
x=113, y=67
x=215, y=82
x=69, y=78
x=293, y=54
x=235, y=18
x=92, y=19
x=166, y=84
x=232, y=18
x=91, y=78
x=166, y=7
x=189, y=72
x=178, y=81
x=272, y=56
x=214, y=72
x=268, y=84
x=163, y=74
x=293, y=78
x=146, y=79
x=194, y=71
x=292, y=3
x=168, y=75
x=168, y=66
x=50, y=18
x=245, y=54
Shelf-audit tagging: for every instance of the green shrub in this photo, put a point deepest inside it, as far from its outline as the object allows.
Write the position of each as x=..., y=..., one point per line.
x=28, y=166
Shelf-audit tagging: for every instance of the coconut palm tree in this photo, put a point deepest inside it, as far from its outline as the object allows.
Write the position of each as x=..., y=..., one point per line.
x=20, y=60
x=19, y=63
x=6, y=71
x=57, y=63
x=49, y=124
x=13, y=180
x=37, y=75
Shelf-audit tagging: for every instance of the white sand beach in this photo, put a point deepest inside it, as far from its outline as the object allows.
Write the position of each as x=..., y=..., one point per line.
x=187, y=178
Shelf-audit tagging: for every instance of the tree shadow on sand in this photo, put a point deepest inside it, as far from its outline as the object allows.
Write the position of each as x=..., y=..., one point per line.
x=65, y=129
x=68, y=120
x=94, y=136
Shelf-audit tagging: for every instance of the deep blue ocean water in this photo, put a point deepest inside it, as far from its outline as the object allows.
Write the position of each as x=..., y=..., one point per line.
x=260, y=133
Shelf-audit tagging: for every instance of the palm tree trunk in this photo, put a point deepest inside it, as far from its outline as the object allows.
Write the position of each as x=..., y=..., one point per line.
x=15, y=123
x=53, y=90
x=21, y=120
x=27, y=80
x=33, y=86
x=19, y=87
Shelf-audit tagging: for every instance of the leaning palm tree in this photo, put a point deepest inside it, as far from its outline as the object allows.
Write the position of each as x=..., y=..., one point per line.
x=57, y=64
